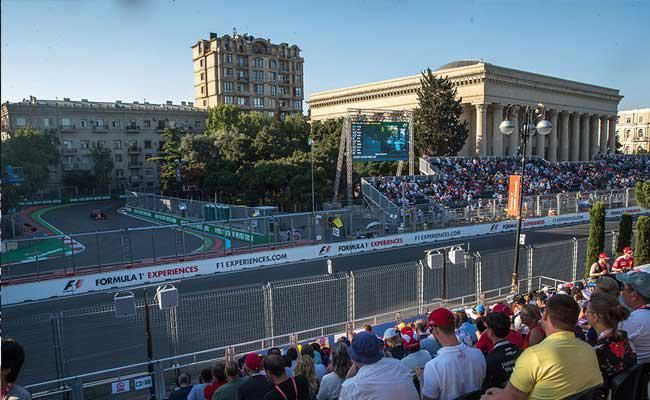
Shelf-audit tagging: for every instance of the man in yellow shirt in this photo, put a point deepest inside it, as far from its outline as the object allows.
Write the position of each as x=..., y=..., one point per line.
x=559, y=366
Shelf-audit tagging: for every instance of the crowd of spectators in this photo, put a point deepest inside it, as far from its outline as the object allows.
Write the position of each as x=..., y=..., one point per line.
x=547, y=344
x=471, y=179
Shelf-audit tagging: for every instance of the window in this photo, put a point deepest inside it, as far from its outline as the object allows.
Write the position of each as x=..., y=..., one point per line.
x=627, y=133
x=259, y=89
x=101, y=144
x=201, y=62
x=283, y=90
x=258, y=75
x=147, y=144
x=84, y=144
x=228, y=72
x=274, y=90
x=242, y=87
x=147, y=123
x=297, y=104
x=117, y=144
x=258, y=102
x=241, y=61
x=229, y=58
x=229, y=100
x=118, y=158
x=65, y=122
x=272, y=76
x=259, y=62
x=133, y=123
x=46, y=122
x=628, y=120
x=115, y=123
x=242, y=101
x=119, y=172
x=133, y=143
x=297, y=79
x=205, y=103
x=297, y=92
x=241, y=74
x=640, y=119
x=84, y=123
x=202, y=76
x=273, y=64
x=228, y=86
x=67, y=144
x=272, y=103
x=640, y=133
x=148, y=171
x=270, y=114
x=197, y=123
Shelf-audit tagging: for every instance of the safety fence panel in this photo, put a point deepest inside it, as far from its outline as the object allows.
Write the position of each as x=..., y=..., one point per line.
x=496, y=268
x=581, y=257
x=461, y=278
x=306, y=303
x=385, y=289
x=555, y=260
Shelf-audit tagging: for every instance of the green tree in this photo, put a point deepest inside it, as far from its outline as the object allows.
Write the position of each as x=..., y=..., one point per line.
x=37, y=154
x=83, y=180
x=642, y=255
x=596, y=241
x=102, y=168
x=624, y=238
x=642, y=194
x=171, y=155
x=438, y=129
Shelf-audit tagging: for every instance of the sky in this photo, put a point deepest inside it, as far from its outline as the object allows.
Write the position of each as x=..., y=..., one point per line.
x=132, y=50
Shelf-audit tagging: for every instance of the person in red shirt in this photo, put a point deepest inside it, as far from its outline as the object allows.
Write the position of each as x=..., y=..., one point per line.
x=485, y=344
x=218, y=379
x=625, y=262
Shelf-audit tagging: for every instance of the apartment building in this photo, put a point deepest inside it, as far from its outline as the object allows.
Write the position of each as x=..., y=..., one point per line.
x=250, y=72
x=132, y=131
x=633, y=130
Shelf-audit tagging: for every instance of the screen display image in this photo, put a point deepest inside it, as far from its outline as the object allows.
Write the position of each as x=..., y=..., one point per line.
x=380, y=141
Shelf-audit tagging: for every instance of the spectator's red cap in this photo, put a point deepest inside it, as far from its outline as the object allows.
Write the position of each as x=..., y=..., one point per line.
x=604, y=256
x=503, y=309
x=409, y=339
x=253, y=362
x=441, y=317
x=628, y=250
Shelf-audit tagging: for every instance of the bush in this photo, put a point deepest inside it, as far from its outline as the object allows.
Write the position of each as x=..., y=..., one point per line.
x=596, y=241
x=624, y=238
x=642, y=255
x=642, y=194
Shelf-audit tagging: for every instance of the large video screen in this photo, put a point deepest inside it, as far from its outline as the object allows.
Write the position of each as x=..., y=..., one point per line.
x=380, y=141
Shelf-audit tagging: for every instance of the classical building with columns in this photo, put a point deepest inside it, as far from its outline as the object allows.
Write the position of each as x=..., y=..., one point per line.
x=633, y=130
x=583, y=115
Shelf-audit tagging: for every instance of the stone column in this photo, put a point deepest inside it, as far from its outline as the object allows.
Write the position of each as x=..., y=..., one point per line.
x=564, y=136
x=611, y=139
x=513, y=140
x=603, y=135
x=575, y=136
x=593, y=136
x=481, y=129
x=584, y=137
x=497, y=136
x=466, y=117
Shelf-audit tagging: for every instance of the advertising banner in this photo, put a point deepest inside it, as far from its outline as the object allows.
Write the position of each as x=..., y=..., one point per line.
x=514, y=183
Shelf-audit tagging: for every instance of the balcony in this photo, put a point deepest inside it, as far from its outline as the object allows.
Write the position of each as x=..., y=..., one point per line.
x=67, y=150
x=132, y=129
x=135, y=150
x=242, y=78
x=68, y=128
x=135, y=164
x=100, y=128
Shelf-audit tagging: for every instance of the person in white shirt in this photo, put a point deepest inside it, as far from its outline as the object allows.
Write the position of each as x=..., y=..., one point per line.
x=636, y=295
x=458, y=369
x=415, y=357
x=373, y=376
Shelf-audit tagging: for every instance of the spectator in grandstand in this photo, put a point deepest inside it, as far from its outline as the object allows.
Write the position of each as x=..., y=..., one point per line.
x=559, y=366
x=461, y=334
x=330, y=386
x=530, y=317
x=540, y=302
x=615, y=354
x=625, y=262
x=197, y=390
x=479, y=320
x=183, y=387
x=13, y=357
x=284, y=387
x=305, y=368
x=485, y=343
x=457, y=369
x=255, y=385
x=421, y=329
x=636, y=295
x=500, y=361
x=464, y=324
x=430, y=344
x=288, y=361
x=367, y=328
x=218, y=379
x=373, y=376
x=607, y=285
x=600, y=267
x=319, y=368
x=291, y=357
x=229, y=390
x=415, y=357
x=393, y=343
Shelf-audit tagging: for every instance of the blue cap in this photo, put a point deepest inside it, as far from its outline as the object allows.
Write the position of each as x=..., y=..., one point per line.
x=480, y=308
x=366, y=348
x=639, y=281
x=390, y=332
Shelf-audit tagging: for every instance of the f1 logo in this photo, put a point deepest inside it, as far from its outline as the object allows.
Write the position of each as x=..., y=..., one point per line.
x=73, y=284
x=494, y=228
x=324, y=250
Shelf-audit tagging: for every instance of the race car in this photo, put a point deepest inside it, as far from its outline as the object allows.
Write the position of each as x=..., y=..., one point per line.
x=97, y=215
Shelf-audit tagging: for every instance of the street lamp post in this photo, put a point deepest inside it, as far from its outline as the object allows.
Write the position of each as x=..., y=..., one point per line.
x=527, y=130
x=313, y=199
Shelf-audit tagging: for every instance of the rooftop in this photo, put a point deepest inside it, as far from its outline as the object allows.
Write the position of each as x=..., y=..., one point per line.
x=85, y=103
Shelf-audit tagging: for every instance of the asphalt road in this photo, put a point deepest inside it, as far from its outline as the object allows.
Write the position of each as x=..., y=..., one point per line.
x=106, y=248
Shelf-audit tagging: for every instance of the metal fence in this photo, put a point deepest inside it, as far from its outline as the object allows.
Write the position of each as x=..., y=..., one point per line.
x=73, y=342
